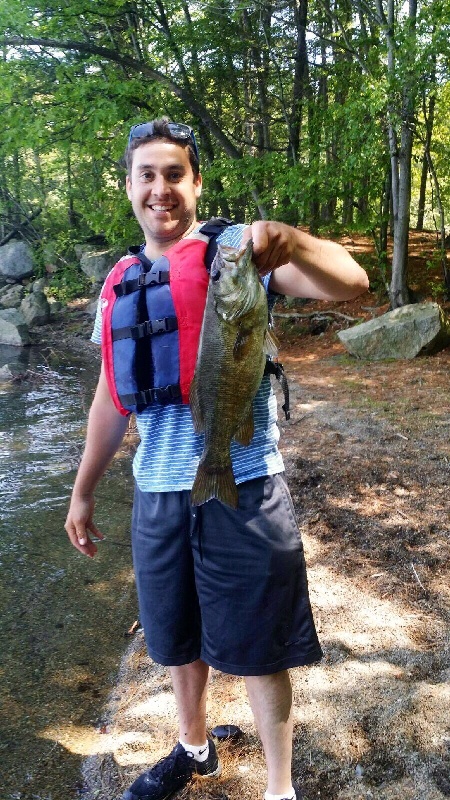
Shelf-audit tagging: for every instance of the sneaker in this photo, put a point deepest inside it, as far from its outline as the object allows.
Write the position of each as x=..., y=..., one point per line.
x=211, y=768
x=298, y=792
x=172, y=773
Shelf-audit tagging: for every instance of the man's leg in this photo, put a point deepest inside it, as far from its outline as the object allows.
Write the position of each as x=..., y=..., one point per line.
x=190, y=686
x=172, y=773
x=271, y=701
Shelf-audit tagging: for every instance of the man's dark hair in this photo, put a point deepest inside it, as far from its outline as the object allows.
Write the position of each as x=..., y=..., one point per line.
x=160, y=131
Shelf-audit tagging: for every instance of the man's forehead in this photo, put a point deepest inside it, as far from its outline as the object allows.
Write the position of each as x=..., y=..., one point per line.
x=160, y=152
x=158, y=164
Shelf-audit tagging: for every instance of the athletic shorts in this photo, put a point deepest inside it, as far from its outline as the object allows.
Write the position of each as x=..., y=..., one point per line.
x=227, y=586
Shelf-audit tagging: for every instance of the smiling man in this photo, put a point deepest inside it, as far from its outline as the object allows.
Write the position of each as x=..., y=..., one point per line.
x=217, y=587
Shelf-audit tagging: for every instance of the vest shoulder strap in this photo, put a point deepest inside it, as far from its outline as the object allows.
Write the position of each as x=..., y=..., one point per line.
x=213, y=228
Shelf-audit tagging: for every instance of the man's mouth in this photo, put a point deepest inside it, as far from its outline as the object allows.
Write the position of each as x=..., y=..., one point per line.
x=158, y=207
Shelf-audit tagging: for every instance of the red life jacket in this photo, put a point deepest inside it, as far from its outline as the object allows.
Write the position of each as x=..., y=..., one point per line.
x=151, y=322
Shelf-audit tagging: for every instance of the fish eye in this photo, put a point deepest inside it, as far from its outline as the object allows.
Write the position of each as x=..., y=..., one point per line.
x=216, y=275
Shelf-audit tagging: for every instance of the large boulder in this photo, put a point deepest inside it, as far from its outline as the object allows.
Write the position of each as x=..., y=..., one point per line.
x=36, y=309
x=97, y=263
x=11, y=296
x=403, y=333
x=13, y=328
x=16, y=260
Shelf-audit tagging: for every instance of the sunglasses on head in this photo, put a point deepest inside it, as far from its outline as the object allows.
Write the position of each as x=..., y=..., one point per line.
x=177, y=130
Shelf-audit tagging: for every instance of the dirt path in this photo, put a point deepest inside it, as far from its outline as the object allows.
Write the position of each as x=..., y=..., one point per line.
x=367, y=455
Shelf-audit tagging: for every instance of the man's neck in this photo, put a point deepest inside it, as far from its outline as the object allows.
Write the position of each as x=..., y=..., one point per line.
x=154, y=249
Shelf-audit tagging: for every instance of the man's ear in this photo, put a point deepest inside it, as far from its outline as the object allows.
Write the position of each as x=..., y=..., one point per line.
x=198, y=183
x=128, y=186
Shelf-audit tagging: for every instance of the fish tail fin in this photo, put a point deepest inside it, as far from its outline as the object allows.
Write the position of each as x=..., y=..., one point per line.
x=218, y=484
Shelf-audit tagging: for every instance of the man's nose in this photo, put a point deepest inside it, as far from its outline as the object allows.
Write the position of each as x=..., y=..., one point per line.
x=160, y=185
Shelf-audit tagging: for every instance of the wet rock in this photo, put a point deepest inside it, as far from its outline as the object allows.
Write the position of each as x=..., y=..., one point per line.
x=403, y=333
x=97, y=263
x=13, y=328
x=36, y=309
x=16, y=260
x=6, y=375
x=11, y=295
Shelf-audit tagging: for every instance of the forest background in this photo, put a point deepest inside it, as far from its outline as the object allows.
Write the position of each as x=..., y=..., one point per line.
x=332, y=114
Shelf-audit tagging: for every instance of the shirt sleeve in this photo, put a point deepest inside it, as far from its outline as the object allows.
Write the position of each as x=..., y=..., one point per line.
x=96, y=335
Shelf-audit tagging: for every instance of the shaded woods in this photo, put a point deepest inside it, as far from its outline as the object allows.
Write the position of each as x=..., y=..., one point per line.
x=329, y=115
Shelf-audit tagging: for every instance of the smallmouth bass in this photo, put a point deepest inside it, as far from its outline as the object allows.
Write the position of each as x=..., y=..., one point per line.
x=230, y=365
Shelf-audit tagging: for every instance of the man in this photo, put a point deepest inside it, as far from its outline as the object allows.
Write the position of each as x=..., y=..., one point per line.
x=216, y=587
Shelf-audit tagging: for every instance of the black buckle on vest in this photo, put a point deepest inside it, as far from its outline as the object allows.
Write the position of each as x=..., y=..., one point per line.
x=147, y=397
x=148, y=328
x=144, y=279
x=163, y=325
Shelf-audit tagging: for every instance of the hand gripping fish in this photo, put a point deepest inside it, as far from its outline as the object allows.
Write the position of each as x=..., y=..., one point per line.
x=230, y=365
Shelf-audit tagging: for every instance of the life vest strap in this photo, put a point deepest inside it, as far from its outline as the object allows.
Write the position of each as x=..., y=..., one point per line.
x=276, y=368
x=146, y=397
x=150, y=327
x=150, y=278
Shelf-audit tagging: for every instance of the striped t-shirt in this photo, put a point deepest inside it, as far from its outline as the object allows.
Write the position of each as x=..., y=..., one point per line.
x=169, y=451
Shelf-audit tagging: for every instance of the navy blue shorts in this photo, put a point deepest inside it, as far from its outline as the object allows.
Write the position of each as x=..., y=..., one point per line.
x=225, y=586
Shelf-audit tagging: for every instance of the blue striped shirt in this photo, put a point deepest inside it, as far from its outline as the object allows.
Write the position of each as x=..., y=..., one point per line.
x=169, y=451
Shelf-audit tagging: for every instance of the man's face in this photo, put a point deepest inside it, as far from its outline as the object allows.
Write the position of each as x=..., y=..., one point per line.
x=163, y=192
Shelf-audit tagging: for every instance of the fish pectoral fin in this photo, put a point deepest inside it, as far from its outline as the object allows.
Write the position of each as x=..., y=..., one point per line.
x=197, y=416
x=271, y=344
x=244, y=433
x=241, y=344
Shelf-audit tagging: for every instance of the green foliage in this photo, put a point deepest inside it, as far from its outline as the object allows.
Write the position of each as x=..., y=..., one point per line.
x=307, y=146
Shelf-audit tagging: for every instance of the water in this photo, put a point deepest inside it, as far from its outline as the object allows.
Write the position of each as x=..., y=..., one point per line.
x=64, y=616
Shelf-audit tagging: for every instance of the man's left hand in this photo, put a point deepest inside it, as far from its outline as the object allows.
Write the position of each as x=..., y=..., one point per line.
x=273, y=244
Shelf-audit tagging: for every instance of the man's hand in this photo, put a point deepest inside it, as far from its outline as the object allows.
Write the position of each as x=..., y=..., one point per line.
x=302, y=265
x=273, y=244
x=79, y=523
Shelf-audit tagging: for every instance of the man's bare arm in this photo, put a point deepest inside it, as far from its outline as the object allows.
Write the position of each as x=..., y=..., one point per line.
x=304, y=266
x=105, y=431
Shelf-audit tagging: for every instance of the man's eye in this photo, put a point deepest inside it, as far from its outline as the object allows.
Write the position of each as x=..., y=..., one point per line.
x=175, y=176
x=147, y=176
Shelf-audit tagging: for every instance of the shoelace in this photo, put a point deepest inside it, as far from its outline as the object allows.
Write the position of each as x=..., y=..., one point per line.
x=163, y=767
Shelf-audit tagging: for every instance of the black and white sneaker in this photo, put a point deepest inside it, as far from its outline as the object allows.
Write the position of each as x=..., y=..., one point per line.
x=298, y=793
x=172, y=773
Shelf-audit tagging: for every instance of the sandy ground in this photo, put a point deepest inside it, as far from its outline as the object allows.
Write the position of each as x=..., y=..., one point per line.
x=367, y=457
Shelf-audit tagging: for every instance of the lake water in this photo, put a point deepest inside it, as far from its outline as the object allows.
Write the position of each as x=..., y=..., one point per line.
x=64, y=616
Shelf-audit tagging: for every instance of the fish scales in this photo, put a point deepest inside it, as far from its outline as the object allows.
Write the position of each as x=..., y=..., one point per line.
x=229, y=370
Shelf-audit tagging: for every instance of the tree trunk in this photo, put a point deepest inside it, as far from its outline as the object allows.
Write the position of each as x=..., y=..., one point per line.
x=429, y=124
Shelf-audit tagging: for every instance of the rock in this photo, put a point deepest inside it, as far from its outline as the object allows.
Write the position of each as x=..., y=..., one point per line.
x=16, y=260
x=38, y=285
x=35, y=308
x=97, y=263
x=55, y=307
x=5, y=374
x=13, y=328
x=403, y=333
x=11, y=296
x=91, y=309
x=16, y=359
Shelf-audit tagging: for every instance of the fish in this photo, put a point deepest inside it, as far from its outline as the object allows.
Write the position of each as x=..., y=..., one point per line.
x=230, y=365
